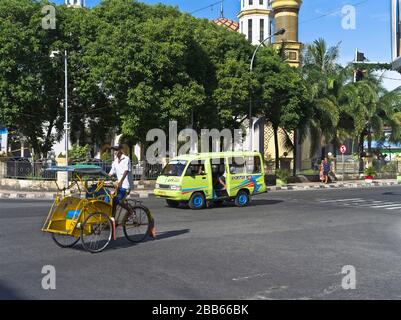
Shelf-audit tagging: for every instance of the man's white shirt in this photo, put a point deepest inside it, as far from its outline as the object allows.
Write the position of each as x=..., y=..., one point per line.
x=118, y=168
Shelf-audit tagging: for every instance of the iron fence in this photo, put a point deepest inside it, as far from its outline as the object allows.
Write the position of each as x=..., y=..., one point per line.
x=139, y=171
x=24, y=168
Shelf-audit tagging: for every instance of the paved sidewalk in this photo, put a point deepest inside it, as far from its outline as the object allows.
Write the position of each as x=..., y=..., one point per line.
x=335, y=185
x=146, y=193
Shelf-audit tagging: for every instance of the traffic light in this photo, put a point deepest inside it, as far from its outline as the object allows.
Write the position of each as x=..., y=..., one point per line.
x=359, y=74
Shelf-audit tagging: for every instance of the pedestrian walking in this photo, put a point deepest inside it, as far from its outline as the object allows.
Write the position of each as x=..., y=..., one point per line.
x=321, y=176
x=326, y=170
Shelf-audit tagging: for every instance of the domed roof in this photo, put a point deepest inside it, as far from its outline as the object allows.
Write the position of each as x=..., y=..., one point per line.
x=227, y=23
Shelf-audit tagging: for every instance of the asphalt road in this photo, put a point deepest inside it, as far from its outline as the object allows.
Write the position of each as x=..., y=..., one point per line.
x=285, y=245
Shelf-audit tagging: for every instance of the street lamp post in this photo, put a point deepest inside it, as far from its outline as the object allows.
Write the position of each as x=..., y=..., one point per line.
x=278, y=32
x=66, y=123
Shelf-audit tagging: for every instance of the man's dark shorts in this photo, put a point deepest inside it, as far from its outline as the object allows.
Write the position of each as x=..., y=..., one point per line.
x=121, y=194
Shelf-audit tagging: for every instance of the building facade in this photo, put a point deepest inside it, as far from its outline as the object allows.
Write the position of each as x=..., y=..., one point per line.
x=75, y=3
x=255, y=20
x=258, y=20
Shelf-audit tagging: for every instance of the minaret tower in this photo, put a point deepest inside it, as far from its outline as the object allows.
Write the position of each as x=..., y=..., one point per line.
x=75, y=3
x=286, y=14
x=255, y=19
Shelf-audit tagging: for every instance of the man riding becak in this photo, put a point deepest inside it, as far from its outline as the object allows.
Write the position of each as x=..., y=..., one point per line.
x=122, y=168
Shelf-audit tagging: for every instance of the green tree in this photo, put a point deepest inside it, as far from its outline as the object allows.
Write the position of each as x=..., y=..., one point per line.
x=374, y=108
x=283, y=95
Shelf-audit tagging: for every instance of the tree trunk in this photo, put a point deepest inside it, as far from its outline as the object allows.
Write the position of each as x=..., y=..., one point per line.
x=130, y=146
x=360, y=151
x=370, y=141
x=335, y=145
x=276, y=146
x=295, y=151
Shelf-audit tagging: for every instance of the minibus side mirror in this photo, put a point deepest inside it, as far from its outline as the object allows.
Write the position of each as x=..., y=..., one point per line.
x=232, y=170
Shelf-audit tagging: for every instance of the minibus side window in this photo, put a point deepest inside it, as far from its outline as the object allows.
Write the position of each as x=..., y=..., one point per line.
x=218, y=166
x=236, y=165
x=253, y=164
x=196, y=168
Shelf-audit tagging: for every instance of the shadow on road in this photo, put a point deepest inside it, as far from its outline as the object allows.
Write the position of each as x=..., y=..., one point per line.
x=227, y=204
x=391, y=194
x=122, y=242
x=264, y=202
x=7, y=293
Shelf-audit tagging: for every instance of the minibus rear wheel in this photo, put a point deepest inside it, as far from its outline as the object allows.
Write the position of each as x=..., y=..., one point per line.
x=242, y=199
x=197, y=201
x=172, y=203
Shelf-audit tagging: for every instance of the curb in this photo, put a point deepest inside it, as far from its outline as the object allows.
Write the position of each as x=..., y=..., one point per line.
x=333, y=186
x=144, y=194
x=52, y=196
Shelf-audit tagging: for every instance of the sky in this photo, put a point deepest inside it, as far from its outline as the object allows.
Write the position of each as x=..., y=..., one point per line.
x=318, y=19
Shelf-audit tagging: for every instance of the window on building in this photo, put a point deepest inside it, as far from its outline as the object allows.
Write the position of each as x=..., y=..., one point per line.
x=250, y=2
x=262, y=30
x=261, y=2
x=250, y=30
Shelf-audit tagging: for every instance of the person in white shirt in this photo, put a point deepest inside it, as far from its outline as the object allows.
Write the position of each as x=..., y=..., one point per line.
x=121, y=167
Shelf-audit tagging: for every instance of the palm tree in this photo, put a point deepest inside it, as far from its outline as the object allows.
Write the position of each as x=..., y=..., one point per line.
x=374, y=109
x=326, y=81
x=318, y=56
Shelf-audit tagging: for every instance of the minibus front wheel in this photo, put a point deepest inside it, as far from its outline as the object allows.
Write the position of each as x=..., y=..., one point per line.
x=197, y=201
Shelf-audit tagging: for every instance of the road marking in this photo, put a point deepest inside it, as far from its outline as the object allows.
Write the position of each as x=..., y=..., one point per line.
x=387, y=205
x=340, y=200
x=251, y=276
x=363, y=203
x=394, y=208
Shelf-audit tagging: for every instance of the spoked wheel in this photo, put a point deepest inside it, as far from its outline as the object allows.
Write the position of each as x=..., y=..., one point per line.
x=96, y=232
x=64, y=240
x=137, y=223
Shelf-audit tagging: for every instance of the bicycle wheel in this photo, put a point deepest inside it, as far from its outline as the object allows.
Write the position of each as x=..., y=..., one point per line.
x=136, y=223
x=64, y=240
x=96, y=232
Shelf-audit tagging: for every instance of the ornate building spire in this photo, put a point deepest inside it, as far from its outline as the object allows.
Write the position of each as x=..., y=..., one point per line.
x=255, y=20
x=286, y=14
x=75, y=3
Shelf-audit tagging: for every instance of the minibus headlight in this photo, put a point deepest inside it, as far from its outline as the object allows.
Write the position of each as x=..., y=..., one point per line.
x=157, y=186
x=175, y=188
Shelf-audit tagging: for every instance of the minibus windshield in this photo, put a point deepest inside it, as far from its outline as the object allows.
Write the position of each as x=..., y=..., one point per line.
x=174, y=168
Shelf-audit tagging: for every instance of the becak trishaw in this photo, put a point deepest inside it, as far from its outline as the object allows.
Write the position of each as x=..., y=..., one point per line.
x=89, y=215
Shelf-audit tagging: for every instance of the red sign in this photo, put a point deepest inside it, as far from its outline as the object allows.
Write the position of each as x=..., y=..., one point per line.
x=343, y=149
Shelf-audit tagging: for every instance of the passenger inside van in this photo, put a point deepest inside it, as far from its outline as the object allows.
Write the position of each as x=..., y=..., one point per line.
x=219, y=181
